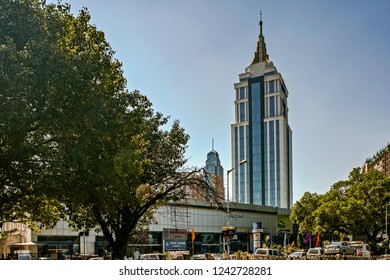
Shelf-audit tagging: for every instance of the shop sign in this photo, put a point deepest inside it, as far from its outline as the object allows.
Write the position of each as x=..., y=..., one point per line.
x=175, y=234
x=228, y=232
x=172, y=245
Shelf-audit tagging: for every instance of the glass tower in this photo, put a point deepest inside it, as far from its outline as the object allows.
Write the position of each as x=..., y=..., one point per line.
x=215, y=171
x=261, y=135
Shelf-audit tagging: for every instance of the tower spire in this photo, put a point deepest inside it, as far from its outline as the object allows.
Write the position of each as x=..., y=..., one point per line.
x=261, y=50
x=261, y=23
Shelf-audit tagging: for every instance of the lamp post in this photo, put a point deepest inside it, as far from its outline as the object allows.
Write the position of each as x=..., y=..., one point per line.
x=227, y=178
x=387, y=236
x=227, y=202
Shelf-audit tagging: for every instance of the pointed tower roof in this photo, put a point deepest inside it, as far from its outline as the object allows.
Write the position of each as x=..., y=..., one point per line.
x=261, y=50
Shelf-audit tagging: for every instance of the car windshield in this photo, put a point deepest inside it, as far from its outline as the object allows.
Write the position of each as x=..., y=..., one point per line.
x=261, y=252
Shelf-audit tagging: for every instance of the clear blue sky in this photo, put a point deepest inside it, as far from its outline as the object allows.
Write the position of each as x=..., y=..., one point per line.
x=333, y=55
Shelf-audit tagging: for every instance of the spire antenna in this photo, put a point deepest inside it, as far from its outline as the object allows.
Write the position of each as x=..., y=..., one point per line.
x=261, y=22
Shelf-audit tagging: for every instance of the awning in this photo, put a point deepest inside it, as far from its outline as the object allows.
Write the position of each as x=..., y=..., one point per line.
x=24, y=244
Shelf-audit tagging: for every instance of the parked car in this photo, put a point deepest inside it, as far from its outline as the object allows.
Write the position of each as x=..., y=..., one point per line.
x=362, y=249
x=152, y=256
x=315, y=253
x=24, y=255
x=198, y=257
x=266, y=252
x=298, y=255
x=342, y=248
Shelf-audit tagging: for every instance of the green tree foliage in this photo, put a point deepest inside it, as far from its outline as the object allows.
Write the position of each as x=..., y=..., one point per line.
x=73, y=137
x=353, y=206
x=27, y=66
x=302, y=212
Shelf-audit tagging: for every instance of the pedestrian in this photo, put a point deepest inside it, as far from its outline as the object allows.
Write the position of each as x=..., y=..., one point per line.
x=136, y=254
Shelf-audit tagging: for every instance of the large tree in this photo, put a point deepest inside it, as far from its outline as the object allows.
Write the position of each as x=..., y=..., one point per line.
x=74, y=135
x=352, y=206
x=28, y=63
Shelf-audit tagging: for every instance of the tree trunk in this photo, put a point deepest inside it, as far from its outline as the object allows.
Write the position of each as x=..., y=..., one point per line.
x=119, y=248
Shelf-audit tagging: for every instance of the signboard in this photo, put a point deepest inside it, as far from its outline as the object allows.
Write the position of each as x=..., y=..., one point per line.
x=171, y=245
x=228, y=232
x=175, y=234
x=283, y=222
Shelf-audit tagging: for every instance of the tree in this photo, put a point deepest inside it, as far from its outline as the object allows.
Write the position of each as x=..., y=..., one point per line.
x=81, y=139
x=365, y=203
x=302, y=212
x=27, y=64
x=353, y=206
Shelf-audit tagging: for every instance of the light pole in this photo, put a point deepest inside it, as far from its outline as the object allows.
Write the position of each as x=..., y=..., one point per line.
x=387, y=236
x=227, y=203
x=227, y=199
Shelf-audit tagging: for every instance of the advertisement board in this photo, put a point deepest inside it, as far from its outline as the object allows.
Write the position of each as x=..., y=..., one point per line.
x=174, y=234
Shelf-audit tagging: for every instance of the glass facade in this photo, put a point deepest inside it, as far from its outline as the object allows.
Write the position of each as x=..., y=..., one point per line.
x=215, y=172
x=261, y=135
x=256, y=154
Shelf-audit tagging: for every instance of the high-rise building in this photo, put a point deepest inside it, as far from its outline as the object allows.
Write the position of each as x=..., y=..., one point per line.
x=215, y=171
x=380, y=161
x=261, y=135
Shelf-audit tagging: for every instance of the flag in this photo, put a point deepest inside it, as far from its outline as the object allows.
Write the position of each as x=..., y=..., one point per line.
x=193, y=234
x=307, y=238
x=318, y=241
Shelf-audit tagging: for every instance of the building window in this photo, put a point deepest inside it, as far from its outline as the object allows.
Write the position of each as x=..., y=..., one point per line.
x=271, y=86
x=242, y=112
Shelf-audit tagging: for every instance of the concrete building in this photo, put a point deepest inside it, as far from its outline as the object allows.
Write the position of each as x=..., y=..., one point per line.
x=261, y=135
x=380, y=161
x=190, y=215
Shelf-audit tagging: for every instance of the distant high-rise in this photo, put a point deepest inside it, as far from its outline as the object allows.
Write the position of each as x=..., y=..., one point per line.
x=215, y=169
x=380, y=161
x=261, y=135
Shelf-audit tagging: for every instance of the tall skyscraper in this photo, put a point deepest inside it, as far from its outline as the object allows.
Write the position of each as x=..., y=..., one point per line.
x=215, y=169
x=261, y=135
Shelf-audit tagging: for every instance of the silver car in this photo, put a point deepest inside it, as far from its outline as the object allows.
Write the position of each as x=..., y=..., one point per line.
x=342, y=248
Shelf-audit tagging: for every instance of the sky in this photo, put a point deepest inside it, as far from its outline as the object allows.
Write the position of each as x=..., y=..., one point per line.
x=185, y=56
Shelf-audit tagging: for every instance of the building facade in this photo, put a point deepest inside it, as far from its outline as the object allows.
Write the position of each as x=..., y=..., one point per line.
x=215, y=171
x=381, y=161
x=261, y=135
x=197, y=216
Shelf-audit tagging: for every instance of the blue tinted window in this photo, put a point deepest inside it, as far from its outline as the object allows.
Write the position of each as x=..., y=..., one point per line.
x=272, y=106
x=242, y=93
x=278, y=162
x=257, y=124
x=242, y=112
x=272, y=162
x=235, y=161
x=271, y=86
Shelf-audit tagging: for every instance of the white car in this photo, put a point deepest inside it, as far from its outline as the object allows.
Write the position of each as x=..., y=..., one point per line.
x=298, y=255
x=265, y=252
x=152, y=256
x=315, y=253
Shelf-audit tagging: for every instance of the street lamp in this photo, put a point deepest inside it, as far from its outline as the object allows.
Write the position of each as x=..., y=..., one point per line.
x=227, y=178
x=227, y=201
x=387, y=236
